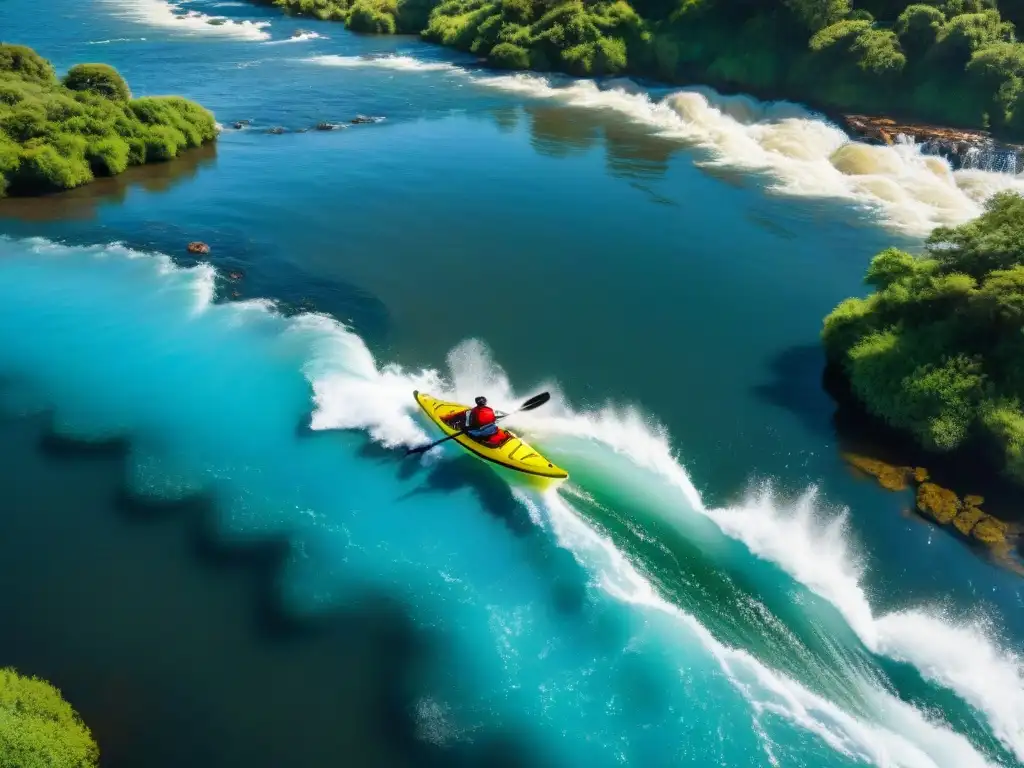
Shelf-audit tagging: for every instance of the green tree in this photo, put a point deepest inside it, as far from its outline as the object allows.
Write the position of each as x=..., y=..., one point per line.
x=818, y=14
x=22, y=61
x=39, y=729
x=98, y=78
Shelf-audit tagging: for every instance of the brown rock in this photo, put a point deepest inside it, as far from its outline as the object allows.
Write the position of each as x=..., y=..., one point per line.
x=936, y=502
x=890, y=477
x=974, y=501
x=990, y=531
x=198, y=248
x=967, y=519
x=921, y=475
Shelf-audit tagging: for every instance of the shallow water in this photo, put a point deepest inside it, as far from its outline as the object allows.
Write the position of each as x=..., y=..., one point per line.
x=660, y=260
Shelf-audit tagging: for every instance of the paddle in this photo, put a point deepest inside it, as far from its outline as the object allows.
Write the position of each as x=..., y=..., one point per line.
x=534, y=402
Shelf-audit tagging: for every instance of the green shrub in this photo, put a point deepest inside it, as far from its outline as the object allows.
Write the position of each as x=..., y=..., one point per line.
x=108, y=157
x=98, y=78
x=509, y=56
x=367, y=16
x=39, y=729
x=25, y=63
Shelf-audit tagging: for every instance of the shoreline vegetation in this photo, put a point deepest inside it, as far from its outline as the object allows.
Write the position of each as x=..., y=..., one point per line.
x=952, y=62
x=39, y=729
x=936, y=353
x=60, y=134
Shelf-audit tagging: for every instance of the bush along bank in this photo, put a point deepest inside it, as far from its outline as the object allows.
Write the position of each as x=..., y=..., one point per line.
x=58, y=134
x=39, y=729
x=955, y=62
x=937, y=350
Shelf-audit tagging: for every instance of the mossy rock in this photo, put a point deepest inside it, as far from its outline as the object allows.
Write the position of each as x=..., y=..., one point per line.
x=991, y=531
x=921, y=475
x=939, y=503
x=972, y=500
x=889, y=476
x=967, y=519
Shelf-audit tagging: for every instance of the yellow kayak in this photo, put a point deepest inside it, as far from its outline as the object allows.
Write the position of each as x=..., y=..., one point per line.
x=512, y=452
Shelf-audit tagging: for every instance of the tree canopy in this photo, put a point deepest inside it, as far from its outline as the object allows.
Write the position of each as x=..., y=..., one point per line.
x=39, y=729
x=956, y=62
x=937, y=350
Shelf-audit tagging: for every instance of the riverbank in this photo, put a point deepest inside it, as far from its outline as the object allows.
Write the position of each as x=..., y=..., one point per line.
x=943, y=65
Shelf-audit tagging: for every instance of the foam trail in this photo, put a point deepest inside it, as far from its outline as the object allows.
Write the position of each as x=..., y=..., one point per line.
x=907, y=739
x=803, y=153
x=390, y=61
x=302, y=37
x=813, y=547
x=167, y=15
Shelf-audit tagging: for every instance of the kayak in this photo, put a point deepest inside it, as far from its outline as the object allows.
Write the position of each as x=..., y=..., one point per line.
x=507, y=450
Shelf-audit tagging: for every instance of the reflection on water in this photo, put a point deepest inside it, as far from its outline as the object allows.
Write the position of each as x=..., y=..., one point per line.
x=83, y=202
x=559, y=131
x=632, y=153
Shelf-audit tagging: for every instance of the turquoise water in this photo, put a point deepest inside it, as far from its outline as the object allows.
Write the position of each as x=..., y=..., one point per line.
x=711, y=587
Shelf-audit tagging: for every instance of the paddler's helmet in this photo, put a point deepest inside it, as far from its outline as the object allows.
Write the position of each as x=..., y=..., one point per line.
x=481, y=401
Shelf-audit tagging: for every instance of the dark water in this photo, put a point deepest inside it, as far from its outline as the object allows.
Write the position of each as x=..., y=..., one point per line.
x=218, y=586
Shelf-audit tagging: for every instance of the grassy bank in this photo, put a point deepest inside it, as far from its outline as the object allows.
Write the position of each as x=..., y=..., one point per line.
x=955, y=62
x=56, y=134
x=937, y=350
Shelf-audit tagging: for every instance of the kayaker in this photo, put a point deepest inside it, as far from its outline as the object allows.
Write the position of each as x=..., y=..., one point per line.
x=479, y=421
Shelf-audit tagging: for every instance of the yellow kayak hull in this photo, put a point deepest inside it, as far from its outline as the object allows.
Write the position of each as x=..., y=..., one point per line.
x=514, y=454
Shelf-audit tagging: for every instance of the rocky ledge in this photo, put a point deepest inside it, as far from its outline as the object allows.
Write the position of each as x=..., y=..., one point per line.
x=942, y=506
x=962, y=148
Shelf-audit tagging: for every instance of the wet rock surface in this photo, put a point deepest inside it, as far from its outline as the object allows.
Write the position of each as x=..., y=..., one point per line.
x=962, y=148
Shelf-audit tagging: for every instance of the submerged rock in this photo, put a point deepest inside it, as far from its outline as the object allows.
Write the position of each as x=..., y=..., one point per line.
x=944, y=507
x=889, y=476
x=198, y=248
x=967, y=518
x=359, y=119
x=276, y=130
x=939, y=503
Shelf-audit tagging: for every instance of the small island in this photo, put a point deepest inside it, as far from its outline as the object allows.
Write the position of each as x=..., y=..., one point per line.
x=60, y=134
x=39, y=729
x=955, y=62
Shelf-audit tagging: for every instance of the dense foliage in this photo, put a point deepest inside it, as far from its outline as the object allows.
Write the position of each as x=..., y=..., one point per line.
x=938, y=349
x=38, y=729
x=953, y=61
x=56, y=135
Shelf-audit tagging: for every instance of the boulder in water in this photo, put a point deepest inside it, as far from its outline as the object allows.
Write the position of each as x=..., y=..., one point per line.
x=277, y=131
x=199, y=248
x=358, y=119
x=938, y=503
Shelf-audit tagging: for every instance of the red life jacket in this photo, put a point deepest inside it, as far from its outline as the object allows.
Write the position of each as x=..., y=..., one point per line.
x=480, y=416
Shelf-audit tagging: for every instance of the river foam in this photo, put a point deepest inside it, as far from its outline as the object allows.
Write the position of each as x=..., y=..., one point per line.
x=128, y=343
x=176, y=18
x=802, y=153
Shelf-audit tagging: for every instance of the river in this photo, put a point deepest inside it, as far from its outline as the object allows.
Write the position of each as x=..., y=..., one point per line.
x=212, y=544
